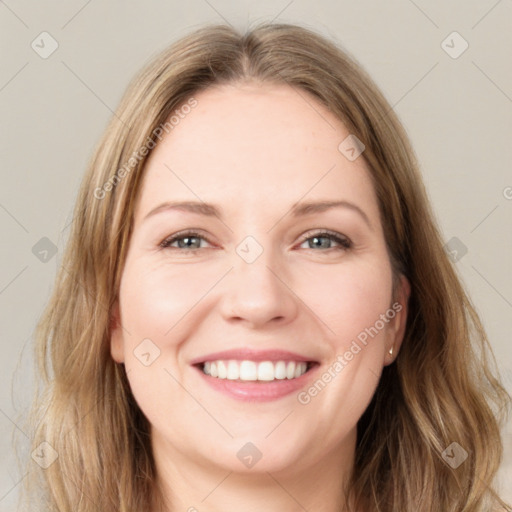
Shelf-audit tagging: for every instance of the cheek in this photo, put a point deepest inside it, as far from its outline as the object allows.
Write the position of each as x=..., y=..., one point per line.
x=156, y=301
x=159, y=307
x=351, y=303
x=349, y=299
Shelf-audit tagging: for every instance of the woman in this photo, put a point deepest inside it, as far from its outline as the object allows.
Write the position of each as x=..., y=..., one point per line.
x=255, y=310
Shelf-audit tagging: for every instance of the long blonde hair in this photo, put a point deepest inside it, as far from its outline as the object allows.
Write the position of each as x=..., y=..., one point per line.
x=442, y=388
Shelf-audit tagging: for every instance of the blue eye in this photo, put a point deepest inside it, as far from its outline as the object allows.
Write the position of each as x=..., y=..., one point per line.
x=190, y=241
x=330, y=236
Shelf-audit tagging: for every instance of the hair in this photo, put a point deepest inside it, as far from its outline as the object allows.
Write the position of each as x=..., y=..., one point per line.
x=444, y=386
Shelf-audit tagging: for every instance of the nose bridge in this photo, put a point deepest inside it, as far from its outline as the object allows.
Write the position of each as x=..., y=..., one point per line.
x=255, y=291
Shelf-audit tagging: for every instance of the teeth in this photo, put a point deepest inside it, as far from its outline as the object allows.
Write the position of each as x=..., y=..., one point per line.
x=290, y=370
x=266, y=371
x=233, y=370
x=280, y=370
x=248, y=370
x=222, y=370
x=253, y=371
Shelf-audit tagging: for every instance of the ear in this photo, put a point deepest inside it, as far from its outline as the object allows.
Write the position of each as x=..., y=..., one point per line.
x=398, y=324
x=116, y=335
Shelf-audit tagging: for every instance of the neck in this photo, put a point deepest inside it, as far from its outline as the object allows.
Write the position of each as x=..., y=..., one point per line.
x=201, y=486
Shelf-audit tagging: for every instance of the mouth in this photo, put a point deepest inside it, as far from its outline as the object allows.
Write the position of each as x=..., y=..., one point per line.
x=255, y=371
x=256, y=375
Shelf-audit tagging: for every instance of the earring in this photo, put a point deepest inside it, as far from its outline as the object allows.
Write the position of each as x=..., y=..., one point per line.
x=391, y=351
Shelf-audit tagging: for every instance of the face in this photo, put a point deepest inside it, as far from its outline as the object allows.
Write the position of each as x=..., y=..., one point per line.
x=251, y=315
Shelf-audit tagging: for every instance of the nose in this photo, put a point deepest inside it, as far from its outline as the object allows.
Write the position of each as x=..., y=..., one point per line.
x=258, y=293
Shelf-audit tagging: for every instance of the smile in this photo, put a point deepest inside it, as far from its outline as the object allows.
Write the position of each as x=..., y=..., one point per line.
x=247, y=370
x=254, y=375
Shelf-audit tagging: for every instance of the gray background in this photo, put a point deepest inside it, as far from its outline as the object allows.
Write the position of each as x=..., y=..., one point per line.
x=457, y=111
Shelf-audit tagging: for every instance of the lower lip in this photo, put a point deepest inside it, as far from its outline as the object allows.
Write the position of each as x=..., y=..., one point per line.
x=258, y=391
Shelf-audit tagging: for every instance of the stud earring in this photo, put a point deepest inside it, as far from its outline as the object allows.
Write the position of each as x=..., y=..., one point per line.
x=391, y=351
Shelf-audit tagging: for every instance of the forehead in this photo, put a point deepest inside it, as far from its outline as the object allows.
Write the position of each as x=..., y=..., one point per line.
x=255, y=144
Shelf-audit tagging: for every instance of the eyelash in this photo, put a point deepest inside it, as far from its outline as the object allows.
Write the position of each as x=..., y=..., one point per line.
x=344, y=242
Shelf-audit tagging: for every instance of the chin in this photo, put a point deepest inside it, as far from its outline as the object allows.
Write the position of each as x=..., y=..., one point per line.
x=253, y=455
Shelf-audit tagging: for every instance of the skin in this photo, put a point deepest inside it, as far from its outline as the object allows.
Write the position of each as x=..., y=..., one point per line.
x=254, y=150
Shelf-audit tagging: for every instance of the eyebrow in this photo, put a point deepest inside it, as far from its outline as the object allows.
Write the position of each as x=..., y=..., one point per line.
x=297, y=210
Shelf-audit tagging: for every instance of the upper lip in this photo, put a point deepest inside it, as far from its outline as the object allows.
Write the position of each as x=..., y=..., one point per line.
x=248, y=354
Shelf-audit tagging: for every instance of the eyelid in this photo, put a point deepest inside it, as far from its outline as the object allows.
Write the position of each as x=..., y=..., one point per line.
x=319, y=231
x=183, y=234
x=342, y=240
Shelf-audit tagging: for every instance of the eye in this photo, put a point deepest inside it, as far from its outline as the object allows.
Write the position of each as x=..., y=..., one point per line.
x=323, y=239
x=188, y=241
